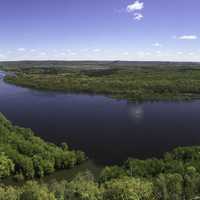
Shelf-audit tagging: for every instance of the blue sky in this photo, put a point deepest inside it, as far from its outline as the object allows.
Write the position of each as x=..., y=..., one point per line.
x=100, y=30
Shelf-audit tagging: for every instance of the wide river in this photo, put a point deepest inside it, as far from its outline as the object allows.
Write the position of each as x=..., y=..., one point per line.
x=108, y=130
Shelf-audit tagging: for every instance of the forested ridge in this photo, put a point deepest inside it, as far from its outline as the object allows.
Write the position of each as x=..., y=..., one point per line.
x=25, y=156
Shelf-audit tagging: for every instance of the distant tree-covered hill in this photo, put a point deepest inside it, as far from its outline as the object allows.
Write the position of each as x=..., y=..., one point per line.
x=88, y=65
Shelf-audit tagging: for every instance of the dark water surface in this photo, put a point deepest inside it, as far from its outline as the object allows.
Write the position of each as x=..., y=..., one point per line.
x=108, y=130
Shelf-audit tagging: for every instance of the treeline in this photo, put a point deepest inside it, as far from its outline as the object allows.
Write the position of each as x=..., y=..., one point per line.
x=135, y=84
x=174, y=177
x=82, y=187
x=92, y=65
x=25, y=156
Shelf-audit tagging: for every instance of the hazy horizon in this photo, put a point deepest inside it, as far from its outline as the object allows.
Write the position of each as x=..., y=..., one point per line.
x=157, y=61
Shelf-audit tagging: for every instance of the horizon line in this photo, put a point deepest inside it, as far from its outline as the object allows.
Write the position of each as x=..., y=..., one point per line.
x=49, y=60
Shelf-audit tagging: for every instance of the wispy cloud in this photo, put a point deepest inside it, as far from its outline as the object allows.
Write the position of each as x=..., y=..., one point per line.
x=156, y=44
x=135, y=6
x=33, y=50
x=2, y=56
x=63, y=54
x=21, y=49
x=188, y=37
x=84, y=50
x=43, y=54
x=138, y=16
x=69, y=50
x=72, y=53
x=180, y=53
x=191, y=53
x=125, y=53
x=96, y=50
x=158, y=52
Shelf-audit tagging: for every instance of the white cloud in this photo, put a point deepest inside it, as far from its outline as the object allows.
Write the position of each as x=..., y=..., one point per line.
x=21, y=49
x=2, y=56
x=55, y=50
x=73, y=54
x=96, y=50
x=137, y=5
x=191, y=53
x=84, y=50
x=138, y=16
x=188, y=37
x=143, y=53
x=69, y=50
x=157, y=44
x=126, y=53
x=158, y=52
x=180, y=53
x=33, y=50
x=148, y=53
x=43, y=54
x=63, y=54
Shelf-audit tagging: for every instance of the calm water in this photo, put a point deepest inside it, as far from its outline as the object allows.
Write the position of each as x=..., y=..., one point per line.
x=108, y=130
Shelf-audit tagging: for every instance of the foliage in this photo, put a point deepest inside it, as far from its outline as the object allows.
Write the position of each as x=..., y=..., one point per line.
x=9, y=193
x=30, y=156
x=83, y=187
x=129, y=189
x=149, y=179
x=135, y=84
x=6, y=166
x=33, y=191
x=176, y=176
x=109, y=173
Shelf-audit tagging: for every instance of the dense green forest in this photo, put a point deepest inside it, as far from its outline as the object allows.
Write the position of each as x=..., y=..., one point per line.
x=95, y=65
x=137, y=83
x=25, y=156
x=174, y=177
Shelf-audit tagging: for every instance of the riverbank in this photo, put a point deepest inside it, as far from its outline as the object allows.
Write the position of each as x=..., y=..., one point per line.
x=133, y=85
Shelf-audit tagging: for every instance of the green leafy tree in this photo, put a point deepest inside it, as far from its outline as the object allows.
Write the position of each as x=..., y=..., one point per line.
x=83, y=187
x=80, y=157
x=169, y=186
x=6, y=166
x=33, y=191
x=109, y=173
x=9, y=193
x=128, y=188
x=191, y=183
x=30, y=155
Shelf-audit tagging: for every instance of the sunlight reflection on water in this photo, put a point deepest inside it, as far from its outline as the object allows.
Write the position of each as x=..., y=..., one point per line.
x=136, y=112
